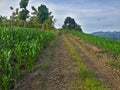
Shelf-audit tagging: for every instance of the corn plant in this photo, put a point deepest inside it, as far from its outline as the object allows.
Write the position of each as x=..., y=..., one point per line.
x=19, y=48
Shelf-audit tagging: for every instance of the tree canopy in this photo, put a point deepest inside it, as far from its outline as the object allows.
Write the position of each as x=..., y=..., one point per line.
x=23, y=15
x=24, y=3
x=43, y=13
x=70, y=24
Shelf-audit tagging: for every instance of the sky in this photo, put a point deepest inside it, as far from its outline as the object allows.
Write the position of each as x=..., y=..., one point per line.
x=92, y=15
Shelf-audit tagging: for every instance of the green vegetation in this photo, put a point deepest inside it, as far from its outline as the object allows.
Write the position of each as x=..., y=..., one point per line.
x=108, y=45
x=23, y=15
x=113, y=63
x=87, y=79
x=43, y=14
x=40, y=17
x=70, y=24
x=19, y=48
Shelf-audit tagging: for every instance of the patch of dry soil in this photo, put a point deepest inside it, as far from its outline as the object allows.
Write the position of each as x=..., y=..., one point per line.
x=61, y=75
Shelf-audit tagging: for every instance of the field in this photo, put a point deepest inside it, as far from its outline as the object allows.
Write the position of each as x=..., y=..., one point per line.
x=40, y=52
x=33, y=59
x=19, y=49
x=110, y=46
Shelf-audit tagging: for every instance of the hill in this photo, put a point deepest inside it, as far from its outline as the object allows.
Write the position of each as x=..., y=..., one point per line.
x=115, y=35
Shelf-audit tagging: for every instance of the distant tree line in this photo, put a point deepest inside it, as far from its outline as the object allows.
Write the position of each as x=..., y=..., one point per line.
x=40, y=17
x=21, y=17
x=70, y=24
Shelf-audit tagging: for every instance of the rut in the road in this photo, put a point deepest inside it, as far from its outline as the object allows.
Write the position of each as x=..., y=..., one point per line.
x=61, y=75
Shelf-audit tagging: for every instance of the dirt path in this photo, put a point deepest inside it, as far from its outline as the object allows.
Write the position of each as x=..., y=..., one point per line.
x=60, y=75
x=94, y=59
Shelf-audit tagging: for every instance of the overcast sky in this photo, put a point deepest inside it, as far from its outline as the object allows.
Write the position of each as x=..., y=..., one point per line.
x=92, y=15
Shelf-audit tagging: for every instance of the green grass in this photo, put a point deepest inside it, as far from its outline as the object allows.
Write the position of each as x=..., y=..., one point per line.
x=19, y=49
x=113, y=63
x=87, y=79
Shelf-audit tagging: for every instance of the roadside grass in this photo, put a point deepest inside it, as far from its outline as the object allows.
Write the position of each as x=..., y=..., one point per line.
x=113, y=63
x=86, y=79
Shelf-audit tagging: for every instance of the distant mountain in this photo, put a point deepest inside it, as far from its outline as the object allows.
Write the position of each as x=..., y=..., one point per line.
x=114, y=35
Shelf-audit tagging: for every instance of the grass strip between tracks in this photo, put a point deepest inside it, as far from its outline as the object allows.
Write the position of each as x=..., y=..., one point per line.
x=86, y=79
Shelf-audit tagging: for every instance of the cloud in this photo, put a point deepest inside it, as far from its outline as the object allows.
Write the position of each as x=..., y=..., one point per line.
x=5, y=6
x=91, y=19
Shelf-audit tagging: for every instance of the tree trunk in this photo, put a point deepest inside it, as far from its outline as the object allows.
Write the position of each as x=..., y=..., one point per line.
x=25, y=23
x=43, y=26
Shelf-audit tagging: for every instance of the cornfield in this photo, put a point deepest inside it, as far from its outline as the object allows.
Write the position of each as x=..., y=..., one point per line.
x=19, y=48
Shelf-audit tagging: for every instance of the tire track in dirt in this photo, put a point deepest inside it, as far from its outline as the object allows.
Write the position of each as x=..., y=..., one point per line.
x=61, y=74
x=105, y=74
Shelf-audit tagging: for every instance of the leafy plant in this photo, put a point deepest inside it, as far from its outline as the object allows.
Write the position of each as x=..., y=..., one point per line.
x=19, y=49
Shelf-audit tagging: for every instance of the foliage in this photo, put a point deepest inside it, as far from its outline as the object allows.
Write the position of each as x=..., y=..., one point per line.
x=35, y=10
x=24, y=3
x=14, y=16
x=70, y=24
x=40, y=18
x=114, y=63
x=4, y=21
x=49, y=23
x=23, y=14
x=19, y=48
x=1, y=20
x=43, y=13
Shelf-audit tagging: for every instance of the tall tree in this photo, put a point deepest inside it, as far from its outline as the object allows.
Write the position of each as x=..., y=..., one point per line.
x=49, y=23
x=70, y=24
x=1, y=20
x=24, y=3
x=11, y=17
x=23, y=15
x=43, y=14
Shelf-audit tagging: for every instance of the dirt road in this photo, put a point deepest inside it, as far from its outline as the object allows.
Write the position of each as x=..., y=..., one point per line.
x=55, y=70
